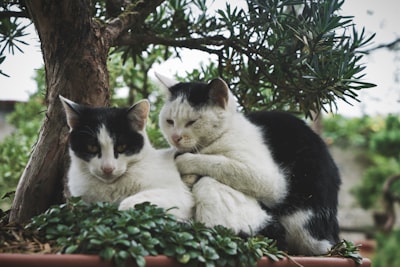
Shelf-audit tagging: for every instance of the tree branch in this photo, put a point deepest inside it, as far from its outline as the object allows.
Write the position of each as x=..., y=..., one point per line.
x=211, y=45
x=192, y=43
x=14, y=14
x=134, y=15
x=390, y=45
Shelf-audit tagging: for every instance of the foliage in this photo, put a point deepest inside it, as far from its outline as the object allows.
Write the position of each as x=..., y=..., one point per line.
x=385, y=156
x=293, y=55
x=355, y=132
x=387, y=250
x=101, y=229
x=15, y=149
x=11, y=30
x=76, y=227
x=387, y=141
x=301, y=56
x=377, y=139
x=369, y=191
x=346, y=249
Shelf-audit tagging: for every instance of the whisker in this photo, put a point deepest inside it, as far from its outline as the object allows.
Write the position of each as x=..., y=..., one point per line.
x=197, y=148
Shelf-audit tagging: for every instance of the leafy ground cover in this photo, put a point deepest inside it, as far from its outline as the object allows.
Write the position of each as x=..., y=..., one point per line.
x=101, y=229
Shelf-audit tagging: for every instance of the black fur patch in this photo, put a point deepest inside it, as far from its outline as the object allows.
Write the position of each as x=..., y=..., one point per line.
x=116, y=123
x=312, y=174
x=196, y=93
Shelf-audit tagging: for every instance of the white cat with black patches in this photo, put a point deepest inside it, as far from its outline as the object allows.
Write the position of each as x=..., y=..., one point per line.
x=113, y=161
x=267, y=173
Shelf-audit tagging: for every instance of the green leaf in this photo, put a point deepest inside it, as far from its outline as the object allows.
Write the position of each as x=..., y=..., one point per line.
x=132, y=230
x=71, y=249
x=184, y=258
x=96, y=242
x=116, y=235
x=108, y=253
x=140, y=261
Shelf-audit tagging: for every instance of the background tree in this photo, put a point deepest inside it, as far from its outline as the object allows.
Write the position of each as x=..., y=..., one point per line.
x=300, y=56
x=16, y=148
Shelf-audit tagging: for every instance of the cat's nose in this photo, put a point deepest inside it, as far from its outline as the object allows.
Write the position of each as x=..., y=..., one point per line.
x=176, y=138
x=107, y=169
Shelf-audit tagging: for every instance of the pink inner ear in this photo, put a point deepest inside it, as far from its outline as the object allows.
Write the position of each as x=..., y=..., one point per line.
x=219, y=92
x=138, y=114
x=140, y=123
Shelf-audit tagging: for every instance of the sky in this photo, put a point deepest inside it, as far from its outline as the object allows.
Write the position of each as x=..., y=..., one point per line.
x=382, y=66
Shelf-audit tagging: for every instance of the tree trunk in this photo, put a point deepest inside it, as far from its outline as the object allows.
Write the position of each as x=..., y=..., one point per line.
x=75, y=57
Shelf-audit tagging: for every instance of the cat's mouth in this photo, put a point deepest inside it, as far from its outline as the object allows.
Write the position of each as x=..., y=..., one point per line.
x=108, y=179
x=183, y=150
x=188, y=148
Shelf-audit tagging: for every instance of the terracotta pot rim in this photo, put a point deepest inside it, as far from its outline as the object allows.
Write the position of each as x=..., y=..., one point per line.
x=77, y=260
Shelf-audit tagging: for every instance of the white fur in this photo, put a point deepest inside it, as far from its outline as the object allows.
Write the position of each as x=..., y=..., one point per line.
x=161, y=185
x=150, y=175
x=230, y=150
x=107, y=160
x=299, y=239
x=234, y=170
x=219, y=204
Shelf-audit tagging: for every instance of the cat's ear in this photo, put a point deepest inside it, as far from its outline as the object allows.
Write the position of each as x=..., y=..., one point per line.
x=138, y=114
x=166, y=81
x=72, y=111
x=219, y=92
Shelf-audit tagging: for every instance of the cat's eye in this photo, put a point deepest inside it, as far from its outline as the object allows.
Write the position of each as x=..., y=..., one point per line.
x=93, y=149
x=170, y=122
x=190, y=123
x=121, y=148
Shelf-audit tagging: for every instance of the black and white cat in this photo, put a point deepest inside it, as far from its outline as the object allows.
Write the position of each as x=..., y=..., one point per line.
x=267, y=173
x=113, y=161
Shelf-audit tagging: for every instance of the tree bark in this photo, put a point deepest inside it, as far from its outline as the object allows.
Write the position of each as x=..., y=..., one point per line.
x=75, y=58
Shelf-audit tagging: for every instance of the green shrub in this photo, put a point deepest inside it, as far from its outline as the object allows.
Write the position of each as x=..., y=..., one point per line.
x=369, y=191
x=387, y=141
x=76, y=227
x=353, y=132
x=387, y=253
x=15, y=149
x=101, y=229
x=378, y=140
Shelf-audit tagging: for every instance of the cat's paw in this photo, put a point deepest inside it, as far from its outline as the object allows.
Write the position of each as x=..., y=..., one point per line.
x=190, y=179
x=186, y=163
x=130, y=202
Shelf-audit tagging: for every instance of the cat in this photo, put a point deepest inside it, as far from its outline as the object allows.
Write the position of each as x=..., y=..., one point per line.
x=265, y=173
x=113, y=161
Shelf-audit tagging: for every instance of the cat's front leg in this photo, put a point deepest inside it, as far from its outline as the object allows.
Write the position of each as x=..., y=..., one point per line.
x=190, y=164
x=256, y=180
x=216, y=166
x=188, y=178
x=219, y=204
